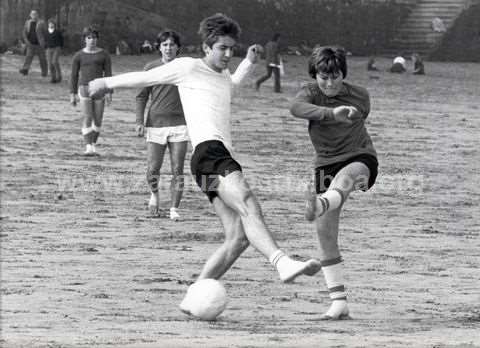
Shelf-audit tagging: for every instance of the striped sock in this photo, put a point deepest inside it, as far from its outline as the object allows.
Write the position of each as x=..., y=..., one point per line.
x=330, y=200
x=275, y=257
x=333, y=273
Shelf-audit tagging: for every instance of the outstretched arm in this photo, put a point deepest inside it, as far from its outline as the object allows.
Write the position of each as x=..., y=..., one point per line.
x=247, y=65
x=303, y=107
x=171, y=73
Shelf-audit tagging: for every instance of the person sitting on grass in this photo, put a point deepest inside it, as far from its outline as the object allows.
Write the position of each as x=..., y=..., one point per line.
x=418, y=67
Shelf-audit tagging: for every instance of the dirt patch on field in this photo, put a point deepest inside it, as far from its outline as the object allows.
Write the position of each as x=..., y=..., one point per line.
x=82, y=265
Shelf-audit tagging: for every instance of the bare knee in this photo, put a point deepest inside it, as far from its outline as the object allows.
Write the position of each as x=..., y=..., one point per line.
x=247, y=203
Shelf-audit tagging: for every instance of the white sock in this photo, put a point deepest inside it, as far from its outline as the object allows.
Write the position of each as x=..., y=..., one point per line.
x=333, y=273
x=174, y=213
x=86, y=130
x=330, y=200
x=286, y=267
x=282, y=262
x=337, y=309
x=273, y=258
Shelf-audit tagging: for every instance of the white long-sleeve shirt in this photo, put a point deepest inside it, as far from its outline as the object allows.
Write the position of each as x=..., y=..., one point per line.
x=205, y=94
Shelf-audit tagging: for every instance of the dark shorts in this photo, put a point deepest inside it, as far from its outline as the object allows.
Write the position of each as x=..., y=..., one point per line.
x=209, y=160
x=325, y=174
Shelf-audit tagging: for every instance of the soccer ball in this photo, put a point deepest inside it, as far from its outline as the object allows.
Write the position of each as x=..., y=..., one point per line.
x=207, y=298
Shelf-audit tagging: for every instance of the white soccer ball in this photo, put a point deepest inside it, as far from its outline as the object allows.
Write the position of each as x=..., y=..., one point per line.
x=207, y=299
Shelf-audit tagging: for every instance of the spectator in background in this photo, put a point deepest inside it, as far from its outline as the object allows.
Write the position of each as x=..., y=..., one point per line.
x=19, y=48
x=34, y=32
x=418, y=67
x=146, y=47
x=371, y=66
x=272, y=57
x=54, y=45
x=89, y=63
x=164, y=127
x=399, y=65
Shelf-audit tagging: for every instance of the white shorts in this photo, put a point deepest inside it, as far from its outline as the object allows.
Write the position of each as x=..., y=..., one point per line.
x=164, y=135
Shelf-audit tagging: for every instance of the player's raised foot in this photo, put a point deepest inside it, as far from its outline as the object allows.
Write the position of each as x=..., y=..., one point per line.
x=174, y=214
x=338, y=311
x=310, y=203
x=289, y=269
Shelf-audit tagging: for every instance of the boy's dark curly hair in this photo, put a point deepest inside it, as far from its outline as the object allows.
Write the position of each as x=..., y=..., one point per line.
x=218, y=25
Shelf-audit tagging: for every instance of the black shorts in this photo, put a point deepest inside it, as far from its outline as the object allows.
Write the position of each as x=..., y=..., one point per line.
x=209, y=160
x=325, y=174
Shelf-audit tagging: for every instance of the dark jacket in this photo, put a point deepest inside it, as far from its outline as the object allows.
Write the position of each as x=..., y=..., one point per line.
x=41, y=32
x=54, y=39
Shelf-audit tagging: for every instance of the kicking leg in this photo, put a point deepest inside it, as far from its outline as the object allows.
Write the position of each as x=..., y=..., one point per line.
x=352, y=177
x=233, y=189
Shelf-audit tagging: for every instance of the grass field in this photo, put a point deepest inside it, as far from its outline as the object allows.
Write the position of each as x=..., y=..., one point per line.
x=82, y=264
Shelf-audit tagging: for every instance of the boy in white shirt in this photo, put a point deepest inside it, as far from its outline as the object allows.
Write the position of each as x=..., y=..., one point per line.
x=204, y=85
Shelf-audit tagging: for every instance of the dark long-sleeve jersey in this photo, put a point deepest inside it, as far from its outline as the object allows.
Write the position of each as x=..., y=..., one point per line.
x=332, y=140
x=89, y=66
x=165, y=107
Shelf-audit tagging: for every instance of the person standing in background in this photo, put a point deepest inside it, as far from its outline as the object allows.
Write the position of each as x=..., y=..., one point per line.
x=34, y=32
x=54, y=45
x=164, y=127
x=89, y=63
x=272, y=57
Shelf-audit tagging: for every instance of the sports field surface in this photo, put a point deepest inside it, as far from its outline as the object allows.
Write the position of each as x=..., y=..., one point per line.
x=82, y=264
